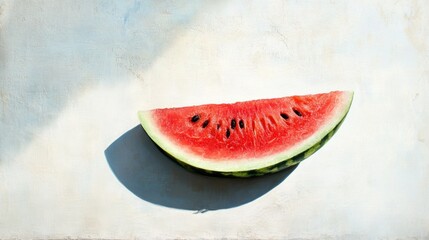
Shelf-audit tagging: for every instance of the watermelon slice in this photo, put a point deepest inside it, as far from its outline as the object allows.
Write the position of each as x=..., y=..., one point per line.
x=250, y=138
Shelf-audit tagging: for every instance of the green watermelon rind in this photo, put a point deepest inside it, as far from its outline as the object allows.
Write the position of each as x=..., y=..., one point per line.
x=279, y=162
x=263, y=171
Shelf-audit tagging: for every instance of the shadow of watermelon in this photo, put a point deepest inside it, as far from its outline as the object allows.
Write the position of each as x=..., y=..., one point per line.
x=152, y=176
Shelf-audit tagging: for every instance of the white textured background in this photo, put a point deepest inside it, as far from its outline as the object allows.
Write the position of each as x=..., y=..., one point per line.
x=73, y=74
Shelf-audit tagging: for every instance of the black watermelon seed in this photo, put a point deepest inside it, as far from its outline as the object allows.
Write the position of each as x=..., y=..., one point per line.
x=233, y=123
x=297, y=112
x=284, y=116
x=241, y=123
x=228, y=133
x=195, y=118
x=205, y=123
x=218, y=126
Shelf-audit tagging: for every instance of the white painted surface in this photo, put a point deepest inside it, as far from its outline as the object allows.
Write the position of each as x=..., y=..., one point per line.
x=73, y=75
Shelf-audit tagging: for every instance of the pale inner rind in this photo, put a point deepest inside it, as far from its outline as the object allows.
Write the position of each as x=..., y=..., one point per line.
x=178, y=152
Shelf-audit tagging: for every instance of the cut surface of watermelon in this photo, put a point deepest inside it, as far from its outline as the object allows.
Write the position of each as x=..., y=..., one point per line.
x=248, y=138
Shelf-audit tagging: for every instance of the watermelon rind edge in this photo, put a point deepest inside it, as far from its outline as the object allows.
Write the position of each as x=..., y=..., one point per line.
x=280, y=162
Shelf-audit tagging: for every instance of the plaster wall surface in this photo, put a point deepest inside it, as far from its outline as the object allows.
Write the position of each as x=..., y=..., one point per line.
x=75, y=164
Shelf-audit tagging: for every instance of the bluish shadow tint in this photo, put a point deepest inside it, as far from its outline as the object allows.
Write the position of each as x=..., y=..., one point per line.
x=148, y=173
x=74, y=46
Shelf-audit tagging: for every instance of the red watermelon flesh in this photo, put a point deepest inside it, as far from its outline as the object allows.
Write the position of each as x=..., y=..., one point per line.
x=248, y=135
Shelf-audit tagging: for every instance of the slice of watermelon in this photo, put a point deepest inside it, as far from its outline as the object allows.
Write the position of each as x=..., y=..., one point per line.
x=249, y=138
